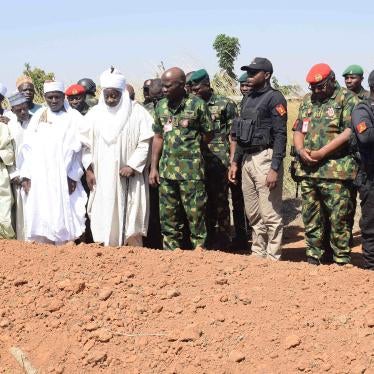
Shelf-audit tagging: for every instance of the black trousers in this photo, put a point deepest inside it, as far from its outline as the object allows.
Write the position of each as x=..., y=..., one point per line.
x=367, y=222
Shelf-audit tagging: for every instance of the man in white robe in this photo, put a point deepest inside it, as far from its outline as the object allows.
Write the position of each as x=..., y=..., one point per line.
x=50, y=168
x=17, y=127
x=120, y=133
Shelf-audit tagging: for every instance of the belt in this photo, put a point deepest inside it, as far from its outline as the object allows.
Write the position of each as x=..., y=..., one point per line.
x=256, y=149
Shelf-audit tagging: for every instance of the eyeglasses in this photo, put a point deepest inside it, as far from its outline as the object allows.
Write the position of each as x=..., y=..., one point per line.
x=320, y=86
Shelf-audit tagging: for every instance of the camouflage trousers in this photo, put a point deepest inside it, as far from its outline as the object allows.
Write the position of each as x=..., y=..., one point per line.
x=182, y=212
x=327, y=199
x=217, y=209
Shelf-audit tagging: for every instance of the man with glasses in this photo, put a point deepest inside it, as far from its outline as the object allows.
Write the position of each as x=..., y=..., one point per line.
x=261, y=136
x=326, y=178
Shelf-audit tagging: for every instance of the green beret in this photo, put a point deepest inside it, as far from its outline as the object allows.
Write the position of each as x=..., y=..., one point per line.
x=199, y=75
x=353, y=69
x=243, y=78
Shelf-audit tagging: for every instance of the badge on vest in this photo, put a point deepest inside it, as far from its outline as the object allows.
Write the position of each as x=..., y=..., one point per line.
x=305, y=126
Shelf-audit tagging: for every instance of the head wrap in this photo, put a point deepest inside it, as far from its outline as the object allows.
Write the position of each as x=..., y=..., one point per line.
x=75, y=89
x=354, y=70
x=17, y=99
x=3, y=89
x=115, y=118
x=318, y=73
x=113, y=78
x=53, y=86
x=23, y=79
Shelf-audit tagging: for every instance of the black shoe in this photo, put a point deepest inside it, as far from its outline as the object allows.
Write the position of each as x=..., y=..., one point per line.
x=313, y=261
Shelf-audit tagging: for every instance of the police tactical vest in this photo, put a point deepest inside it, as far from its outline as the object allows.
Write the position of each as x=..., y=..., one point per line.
x=253, y=128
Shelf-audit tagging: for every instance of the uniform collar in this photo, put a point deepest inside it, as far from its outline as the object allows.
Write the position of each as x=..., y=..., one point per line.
x=181, y=105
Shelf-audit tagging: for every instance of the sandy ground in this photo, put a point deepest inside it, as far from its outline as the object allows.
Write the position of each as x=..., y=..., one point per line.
x=89, y=309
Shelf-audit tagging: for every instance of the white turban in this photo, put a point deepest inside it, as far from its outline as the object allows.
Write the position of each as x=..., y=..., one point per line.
x=53, y=86
x=3, y=89
x=113, y=79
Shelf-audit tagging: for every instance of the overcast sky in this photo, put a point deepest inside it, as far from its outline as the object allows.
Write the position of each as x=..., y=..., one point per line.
x=82, y=38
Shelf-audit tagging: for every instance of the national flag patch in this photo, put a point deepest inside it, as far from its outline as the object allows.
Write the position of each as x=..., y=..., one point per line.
x=281, y=110
x=361, y=127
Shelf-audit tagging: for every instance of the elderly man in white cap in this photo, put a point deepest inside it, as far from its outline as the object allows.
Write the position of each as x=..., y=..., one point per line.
x=50, y=168
x=120, y=132
x=6, y=161
x=17, y=127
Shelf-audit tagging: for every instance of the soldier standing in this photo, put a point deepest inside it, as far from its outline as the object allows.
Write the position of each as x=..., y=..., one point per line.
x=261, y=136
x=216, y=156
x=326, y=179
x=244, y=87
x=353, y=77
x=76, y=96
x=90, y=88
x=182, y=124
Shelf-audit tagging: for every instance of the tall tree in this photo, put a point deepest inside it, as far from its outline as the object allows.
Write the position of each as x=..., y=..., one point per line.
x=38, y=76
x=227, y=50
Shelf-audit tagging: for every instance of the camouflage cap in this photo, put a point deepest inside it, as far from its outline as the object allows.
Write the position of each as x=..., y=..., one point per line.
x=199, y=76
x=354, y=70
x=243, y=78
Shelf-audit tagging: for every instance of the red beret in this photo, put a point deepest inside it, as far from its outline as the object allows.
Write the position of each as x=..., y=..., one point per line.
x=318, y=73
x=75, y=89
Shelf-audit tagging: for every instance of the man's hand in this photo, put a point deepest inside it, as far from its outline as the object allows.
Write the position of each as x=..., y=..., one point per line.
x=127, y=172
x=318, y=155
x=154, y=177
x=306, y=158
x=4, y=119
x=72, y=185
x=233, y=171
x=16, y=181
x=26, y=184
x=271, y=179
x=90, y=179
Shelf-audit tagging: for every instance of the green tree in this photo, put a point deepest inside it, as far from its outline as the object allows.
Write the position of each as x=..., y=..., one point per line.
x=38, y=76
x=227, y=50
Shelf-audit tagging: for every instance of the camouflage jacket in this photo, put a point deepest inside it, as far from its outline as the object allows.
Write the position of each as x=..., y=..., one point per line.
x=181, y=129
x=222, y=112
x=363, y=94
x=321, y=123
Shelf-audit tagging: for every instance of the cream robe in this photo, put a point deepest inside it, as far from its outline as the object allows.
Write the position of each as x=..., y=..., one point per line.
x=50, y=153
x=17, y=131
x=6, y=197
x=114, y=196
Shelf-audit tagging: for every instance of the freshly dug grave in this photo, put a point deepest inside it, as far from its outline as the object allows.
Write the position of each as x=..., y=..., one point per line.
x=89, y=309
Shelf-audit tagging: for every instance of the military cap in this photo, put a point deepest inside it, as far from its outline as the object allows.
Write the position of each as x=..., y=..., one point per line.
x=371, y=79
x=259, y=63
x=75, y=89
x=188, y=77
x=17, y=99
x=199, y=76
x=318, y=73
x=243, y=78
x=353, y=69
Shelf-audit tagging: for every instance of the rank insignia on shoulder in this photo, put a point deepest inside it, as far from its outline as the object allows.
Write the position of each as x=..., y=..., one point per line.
x=281, y=110
x=361, y=127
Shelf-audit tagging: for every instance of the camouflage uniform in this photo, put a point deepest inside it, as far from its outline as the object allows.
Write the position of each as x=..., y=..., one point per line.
x=326, y=187
x=216, y=155
x=182, y=190
x=91, y=100
x=363, y=94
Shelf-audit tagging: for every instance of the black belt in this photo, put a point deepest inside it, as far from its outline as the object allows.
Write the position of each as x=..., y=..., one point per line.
x=256, y=149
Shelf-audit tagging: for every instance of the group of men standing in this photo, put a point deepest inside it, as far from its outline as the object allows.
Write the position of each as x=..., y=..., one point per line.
x=190, y=145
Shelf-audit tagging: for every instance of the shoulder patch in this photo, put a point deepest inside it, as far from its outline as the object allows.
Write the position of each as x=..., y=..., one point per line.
x=281, y=109
x=361, y=127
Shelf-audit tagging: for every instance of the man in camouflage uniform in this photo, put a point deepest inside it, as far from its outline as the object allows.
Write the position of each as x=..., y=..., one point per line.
x=326, y=180
x=244, y=87
x=353, y=77
x=216, y=156
x=182, y=125
x=90, y=87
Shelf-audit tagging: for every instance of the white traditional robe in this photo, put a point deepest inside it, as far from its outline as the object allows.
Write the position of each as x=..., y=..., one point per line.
x=17, y=131
x=6, y=197
x=115, y=198
x=50, y=153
